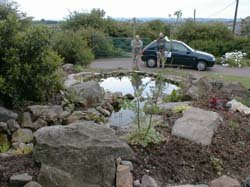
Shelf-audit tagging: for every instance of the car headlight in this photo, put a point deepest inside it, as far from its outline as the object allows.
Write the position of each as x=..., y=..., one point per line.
x=213, y=59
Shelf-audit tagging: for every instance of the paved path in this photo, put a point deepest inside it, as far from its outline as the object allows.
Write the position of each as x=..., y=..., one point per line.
x=125, y=63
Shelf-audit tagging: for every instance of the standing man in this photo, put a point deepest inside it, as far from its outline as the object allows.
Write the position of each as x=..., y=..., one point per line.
x=136, y=45
x=161, y=48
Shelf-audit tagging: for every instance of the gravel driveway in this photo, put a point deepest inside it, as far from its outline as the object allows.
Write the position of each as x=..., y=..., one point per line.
x=126, y=63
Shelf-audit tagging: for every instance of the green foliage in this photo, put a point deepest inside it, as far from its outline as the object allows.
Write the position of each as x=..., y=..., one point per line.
x=93, y=19
x=232, y=125
x=28, y=65
x=72, y=47
x=4, y=148
x=152, y=29
x=180, y=109
x=191, y=31
x=217, y=164
x=144, y=137
x=175, y=96
x=23, y=150
x=99, y=42
x=215, y=38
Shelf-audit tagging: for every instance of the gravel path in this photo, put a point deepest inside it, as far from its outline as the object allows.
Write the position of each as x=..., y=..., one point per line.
x=126, y=63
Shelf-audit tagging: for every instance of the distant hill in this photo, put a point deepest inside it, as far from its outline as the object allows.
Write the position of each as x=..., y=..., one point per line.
x=172, y=20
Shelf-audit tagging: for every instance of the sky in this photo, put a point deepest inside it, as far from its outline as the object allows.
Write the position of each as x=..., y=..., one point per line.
x=60, y=9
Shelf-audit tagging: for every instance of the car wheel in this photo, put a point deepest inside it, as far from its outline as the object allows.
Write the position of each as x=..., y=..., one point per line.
x=201, y=66
x=151, y=62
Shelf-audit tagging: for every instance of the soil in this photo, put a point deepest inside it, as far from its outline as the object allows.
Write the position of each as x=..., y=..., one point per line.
x=178, y=161
x=20, y=164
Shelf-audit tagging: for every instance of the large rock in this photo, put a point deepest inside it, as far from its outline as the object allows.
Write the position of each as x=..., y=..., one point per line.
x=238, y=106
x=26, y=120
x=197, y=125
x=19, y=180
x=13, y=125
x=148, y=181
x=32, y=184
x=224, y=181
x=124, y=177
x=6, y=114
x=198, y=88
x=89, y=91
x=83, y=154
x=22, y=136
x=48, y=113
x=3, y=127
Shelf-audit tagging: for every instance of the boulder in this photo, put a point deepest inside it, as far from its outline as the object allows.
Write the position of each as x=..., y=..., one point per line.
x=197, y=125
x=82, y=153
x=26, y=120
x=238, y=106
x=103, y=111
x=76, y=116
x=22, y=136
x=32, y=184
x=50, y=113
x=124, y=177
x=39, y=123
x=19, y=180
x=6, y=114
x=148, y=181
x=13, y=125
x=89, y=91
x=54, y=177
x=224, y=181
x=3, y=127
x=198, y=88
x=247, y=183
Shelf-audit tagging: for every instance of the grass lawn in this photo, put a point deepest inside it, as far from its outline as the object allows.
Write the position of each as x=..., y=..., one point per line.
x=231, y=78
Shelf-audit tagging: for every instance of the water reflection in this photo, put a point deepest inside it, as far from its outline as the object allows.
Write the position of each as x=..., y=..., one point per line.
x=127, y=85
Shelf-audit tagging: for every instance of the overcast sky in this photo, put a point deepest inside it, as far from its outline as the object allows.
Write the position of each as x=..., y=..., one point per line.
x=59, y=9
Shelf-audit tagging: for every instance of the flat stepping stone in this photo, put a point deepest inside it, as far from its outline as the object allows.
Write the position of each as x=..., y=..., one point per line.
x=197, y=125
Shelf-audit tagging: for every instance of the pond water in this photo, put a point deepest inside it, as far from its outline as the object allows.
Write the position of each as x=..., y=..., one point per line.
x=127, y=85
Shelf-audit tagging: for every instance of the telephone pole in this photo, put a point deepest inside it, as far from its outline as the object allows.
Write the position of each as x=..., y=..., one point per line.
x=134, y=27
x=235, y=16
x=194, y=14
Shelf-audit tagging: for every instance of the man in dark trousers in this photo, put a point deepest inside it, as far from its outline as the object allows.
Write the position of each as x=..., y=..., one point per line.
x=161, y=48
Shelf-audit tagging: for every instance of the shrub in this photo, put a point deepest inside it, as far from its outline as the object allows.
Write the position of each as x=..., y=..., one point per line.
x=72, y=47
x=234, y=59
x=144, y=137
x=30, y=68
x=4, y=148
x=175, y=96
x=100, y=43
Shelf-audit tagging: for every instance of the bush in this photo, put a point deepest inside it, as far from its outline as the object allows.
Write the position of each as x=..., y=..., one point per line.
x=100, y=43
x=143, y=137
x=235, y=59
x=72, y=47
x=29, y=68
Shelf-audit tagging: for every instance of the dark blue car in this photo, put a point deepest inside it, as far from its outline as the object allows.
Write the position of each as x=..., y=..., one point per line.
x=181, y=55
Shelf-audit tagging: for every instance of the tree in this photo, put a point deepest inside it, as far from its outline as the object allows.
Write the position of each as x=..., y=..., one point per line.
x=28, y=65
x=77, y=20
